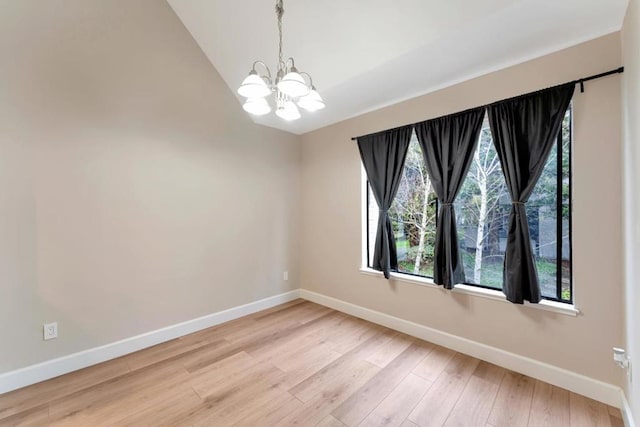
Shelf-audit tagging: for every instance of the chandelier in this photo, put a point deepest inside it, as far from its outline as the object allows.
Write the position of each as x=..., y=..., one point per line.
x=289, y=86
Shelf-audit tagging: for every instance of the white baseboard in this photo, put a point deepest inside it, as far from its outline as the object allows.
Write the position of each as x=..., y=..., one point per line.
x=627, y=415
x=594, y=389
x=52, y=368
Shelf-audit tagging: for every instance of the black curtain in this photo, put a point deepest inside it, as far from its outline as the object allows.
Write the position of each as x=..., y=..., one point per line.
x=524, y=130
x=448, y=144
x=383, y=156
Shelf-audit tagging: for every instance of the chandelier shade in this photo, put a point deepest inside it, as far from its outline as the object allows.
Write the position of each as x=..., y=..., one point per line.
x=311, y=101
x=289, y=86
x=288, y=111
x=293, y=85
x=257, y=106
x=253, y=86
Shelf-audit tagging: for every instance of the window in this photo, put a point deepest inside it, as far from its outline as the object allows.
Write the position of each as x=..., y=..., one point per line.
x=413, y=216
x=482, y=211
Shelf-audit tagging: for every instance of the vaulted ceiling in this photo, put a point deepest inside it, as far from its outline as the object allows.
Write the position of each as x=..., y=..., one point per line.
x=364, y=55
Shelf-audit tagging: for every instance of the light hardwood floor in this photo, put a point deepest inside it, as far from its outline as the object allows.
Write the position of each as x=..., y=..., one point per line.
x=299, y=364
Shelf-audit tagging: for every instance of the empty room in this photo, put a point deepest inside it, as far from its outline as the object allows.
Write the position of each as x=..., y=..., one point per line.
x=405, y=213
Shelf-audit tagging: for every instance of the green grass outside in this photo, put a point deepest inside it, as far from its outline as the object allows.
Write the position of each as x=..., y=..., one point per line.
x=491, y=275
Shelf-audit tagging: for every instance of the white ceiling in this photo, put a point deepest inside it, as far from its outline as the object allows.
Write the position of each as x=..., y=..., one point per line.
x=364, y=55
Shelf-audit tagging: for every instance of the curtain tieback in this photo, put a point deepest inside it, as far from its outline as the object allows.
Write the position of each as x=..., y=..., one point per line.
x=515, y=202
x=446, y=204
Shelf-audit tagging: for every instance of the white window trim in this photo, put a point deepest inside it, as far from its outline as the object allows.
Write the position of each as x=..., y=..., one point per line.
x=546, y=305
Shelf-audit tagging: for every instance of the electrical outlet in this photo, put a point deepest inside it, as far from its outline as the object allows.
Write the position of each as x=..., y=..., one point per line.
x=50, y=331
x=622, y=360
x=285, y=276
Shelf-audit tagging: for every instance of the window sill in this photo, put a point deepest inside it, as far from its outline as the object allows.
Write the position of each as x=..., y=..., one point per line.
x=546, y=305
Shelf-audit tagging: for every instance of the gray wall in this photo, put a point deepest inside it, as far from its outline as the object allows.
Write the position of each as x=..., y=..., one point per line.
x=134, y=191
x=331, y=219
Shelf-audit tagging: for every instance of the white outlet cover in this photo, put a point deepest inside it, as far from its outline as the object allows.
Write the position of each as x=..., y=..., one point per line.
x=286, y=275
x=50, y=331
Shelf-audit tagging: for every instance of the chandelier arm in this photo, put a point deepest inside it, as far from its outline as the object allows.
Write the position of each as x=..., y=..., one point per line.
x=293, y=64
x=304, y=73
x=266, y=67
x=282, y=68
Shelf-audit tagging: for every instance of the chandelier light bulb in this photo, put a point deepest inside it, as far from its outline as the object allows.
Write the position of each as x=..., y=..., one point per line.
x=293, y=85
x=253, y=86
x=288, y=111
x=257, y=106
x=311, y=101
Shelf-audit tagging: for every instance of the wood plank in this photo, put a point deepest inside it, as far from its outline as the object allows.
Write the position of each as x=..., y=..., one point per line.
x=299, y=353
x=615, y=412
x=230, y=404
x=306, y=368
x=377, y=339
x=330, y=394
x=221, y=373
x=218, y=332
x=35, y=416
x=286, y=351
x=490, y=372
x=29, y=397
x=437, y=403
x=277, y=309
x=397, y=343
x=205, y=356
x=224, y=382
x=549, y=407
x=338, y=369
x=513, y=403
x=304, y=311
x=395, y=408
x=113, y=402
x=228, y=399
x=352, y=332
x=315, y=333
x=362, y=402
x=313, y=312
x=184, y=412
x=108, y=391
x=615, y=421
x=260, y=338
x=271, y=412
x=167, y=413
x=169, y=351
x=435, y=362
x=279, y=335
x=251, y=397
x=587, y=412
x=270, y=323
x=615, y=417
x=329, y=421
x=475, y=403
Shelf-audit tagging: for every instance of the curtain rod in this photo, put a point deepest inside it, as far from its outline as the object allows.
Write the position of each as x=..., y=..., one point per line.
x=578, y=81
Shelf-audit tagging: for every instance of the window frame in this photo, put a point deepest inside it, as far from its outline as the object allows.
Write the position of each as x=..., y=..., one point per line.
x=548, y=303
